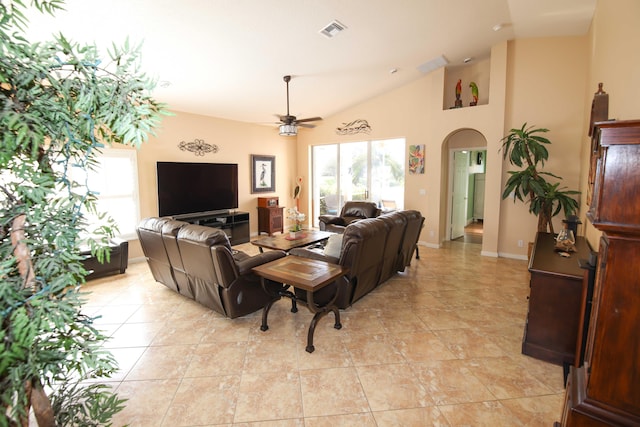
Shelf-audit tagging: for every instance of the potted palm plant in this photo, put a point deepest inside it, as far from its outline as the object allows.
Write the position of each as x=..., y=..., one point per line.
x=526, y=149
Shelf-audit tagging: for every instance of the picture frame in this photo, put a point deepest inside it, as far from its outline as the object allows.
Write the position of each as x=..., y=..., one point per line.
x=416, y=159
x=263, y=173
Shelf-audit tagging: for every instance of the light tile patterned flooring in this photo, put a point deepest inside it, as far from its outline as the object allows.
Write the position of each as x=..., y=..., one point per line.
x=438, y=345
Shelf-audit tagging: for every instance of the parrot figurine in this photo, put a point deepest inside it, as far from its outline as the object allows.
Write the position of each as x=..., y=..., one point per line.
x=474, y=93
x=458, y=103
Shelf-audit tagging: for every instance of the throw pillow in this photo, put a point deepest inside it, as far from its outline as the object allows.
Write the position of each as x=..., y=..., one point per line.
x=333, y=246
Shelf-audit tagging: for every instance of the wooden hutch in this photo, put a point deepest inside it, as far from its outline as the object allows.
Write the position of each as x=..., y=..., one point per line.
x=605, y=390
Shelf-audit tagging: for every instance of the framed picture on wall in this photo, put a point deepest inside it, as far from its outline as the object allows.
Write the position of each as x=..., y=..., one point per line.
x=263, y=173
x=416, y=159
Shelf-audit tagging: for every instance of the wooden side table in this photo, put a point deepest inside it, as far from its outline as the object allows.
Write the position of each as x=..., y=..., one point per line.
x=308, y=275
x=270, y=215
x=270, y=220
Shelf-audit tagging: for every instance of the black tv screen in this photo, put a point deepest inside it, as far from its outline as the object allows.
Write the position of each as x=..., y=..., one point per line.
x=190, y=188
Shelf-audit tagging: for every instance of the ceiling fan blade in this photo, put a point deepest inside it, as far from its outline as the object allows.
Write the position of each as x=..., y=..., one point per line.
x=305, y=125
x=310, y=119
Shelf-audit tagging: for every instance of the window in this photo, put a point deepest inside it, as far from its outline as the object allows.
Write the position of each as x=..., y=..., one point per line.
x=366, y=170
x=115, y=181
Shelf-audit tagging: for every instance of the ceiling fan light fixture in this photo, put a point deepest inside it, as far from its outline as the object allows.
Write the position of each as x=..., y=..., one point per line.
x=288, y=130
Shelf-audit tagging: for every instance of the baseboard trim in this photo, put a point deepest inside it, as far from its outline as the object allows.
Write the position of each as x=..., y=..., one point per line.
x=513, y=256
x=429, y=245
x=489, y=254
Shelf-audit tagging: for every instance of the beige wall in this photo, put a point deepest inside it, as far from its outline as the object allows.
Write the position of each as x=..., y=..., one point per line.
x=545, y=87
x=236, y=142
x=614, y=61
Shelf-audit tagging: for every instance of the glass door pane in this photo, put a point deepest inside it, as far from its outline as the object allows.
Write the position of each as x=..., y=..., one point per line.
x=325, y=181
x=354, y=171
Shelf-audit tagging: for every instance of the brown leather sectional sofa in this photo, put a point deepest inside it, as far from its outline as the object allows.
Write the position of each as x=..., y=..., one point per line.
x=198, y=262
x=374, y=249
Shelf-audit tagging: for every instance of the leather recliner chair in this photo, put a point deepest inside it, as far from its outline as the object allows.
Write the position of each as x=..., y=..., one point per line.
x=199, y=263
x=363, y=245
x=352, y=211
x=170, y=231
x=415, y=222
x=396, y=224
x=150, y=235
x=220, y=279
x=374, y=249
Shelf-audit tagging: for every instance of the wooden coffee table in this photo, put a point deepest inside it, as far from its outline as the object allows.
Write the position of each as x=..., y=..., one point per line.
x=283, y=242
x=308, y=275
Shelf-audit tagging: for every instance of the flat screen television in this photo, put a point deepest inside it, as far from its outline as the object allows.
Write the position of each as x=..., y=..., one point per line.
x=191, y=188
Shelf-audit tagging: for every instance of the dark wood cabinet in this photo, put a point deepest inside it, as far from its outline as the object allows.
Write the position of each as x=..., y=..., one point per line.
x=270, y=215
x=605, y=391
x=555, y=301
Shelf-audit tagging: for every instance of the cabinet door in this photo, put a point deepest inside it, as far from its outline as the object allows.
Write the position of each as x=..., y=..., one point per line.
x=614, y=369
x=276, y=219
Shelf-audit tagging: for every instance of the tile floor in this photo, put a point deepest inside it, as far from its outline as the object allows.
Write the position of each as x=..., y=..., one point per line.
x=438, y=345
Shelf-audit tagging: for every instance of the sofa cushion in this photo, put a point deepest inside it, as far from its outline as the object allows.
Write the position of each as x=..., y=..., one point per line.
x=333, y=246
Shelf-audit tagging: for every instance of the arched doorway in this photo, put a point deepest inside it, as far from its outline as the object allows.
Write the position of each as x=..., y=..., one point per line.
x=465, y=166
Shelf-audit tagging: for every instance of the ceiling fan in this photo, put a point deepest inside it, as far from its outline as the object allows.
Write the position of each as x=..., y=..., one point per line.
x=288, y=123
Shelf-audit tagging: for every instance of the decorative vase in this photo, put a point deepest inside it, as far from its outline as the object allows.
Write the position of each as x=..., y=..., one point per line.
x=293, y=234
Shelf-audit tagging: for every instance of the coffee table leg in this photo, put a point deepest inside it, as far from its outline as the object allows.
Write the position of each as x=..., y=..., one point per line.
x=265, y=313
x=319, y=313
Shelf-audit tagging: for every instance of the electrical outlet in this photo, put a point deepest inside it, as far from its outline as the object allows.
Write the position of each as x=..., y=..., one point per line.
x=520, y=243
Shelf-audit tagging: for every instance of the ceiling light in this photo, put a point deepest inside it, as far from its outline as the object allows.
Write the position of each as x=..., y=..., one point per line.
x=393, y=70
x=467, y=60
x=333, y=29
x=288, y=130
x=498, y=27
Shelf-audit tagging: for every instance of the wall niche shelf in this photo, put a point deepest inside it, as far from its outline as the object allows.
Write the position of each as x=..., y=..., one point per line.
x=478, y=72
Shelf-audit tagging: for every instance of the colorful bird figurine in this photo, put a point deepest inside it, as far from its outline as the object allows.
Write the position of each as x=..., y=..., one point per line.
x=474, y=93
x=458, y=103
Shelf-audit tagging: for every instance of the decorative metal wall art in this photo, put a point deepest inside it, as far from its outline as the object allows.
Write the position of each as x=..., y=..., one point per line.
x=198, y=147
x=354, y=127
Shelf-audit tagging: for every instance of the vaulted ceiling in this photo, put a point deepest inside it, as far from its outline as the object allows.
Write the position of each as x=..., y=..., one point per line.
x=227, y=58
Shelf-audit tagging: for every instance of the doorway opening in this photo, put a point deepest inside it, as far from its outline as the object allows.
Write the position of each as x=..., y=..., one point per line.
x=466, y=189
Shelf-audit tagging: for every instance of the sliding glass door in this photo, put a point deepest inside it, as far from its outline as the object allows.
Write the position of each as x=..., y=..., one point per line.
x=366, y=170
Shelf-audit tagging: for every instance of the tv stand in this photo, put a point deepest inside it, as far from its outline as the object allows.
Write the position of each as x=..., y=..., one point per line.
x=234, y=223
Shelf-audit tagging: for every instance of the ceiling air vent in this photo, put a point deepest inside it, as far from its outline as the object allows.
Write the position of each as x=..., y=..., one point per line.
x=333, y=29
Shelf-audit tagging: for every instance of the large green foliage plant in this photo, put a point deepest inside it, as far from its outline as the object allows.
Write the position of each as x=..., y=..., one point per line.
x=60, y=103
x=526, y=148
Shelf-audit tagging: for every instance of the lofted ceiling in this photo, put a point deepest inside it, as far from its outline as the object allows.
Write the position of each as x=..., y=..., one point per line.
x=227, y=58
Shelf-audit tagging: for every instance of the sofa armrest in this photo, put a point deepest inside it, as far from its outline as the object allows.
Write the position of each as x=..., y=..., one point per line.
x=245, y=266
x=313, y=254
x=332, y=219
